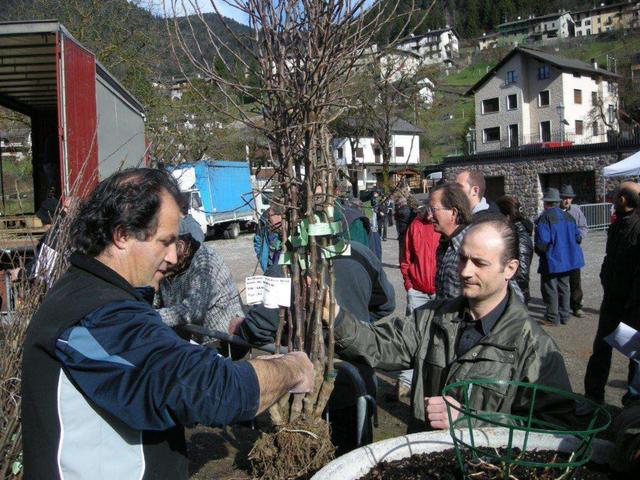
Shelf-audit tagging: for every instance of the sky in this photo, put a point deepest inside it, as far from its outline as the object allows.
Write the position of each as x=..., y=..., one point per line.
x=205, y=6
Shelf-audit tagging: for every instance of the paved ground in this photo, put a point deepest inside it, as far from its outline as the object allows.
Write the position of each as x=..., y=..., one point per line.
x=223, y=453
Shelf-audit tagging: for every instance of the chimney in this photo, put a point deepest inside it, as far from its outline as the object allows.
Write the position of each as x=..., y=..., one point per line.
x=594, y=64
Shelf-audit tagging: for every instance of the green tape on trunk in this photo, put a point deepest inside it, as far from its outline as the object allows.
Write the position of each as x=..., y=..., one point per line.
x=323, y=228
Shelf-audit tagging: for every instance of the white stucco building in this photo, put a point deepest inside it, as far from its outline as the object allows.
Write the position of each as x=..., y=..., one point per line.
x=364, y=155
x=534, y=98
x=435, y=46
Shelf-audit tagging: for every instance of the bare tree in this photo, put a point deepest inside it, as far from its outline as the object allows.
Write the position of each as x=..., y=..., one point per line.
x=393, y=81
x=297, y=67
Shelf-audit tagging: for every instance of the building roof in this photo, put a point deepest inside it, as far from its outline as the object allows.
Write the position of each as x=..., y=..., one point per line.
x=402, y=126
x=399, y=126
x=532, y=19
x=559, y=62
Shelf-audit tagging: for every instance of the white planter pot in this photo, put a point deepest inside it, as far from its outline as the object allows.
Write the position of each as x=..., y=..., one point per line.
x=357, y=463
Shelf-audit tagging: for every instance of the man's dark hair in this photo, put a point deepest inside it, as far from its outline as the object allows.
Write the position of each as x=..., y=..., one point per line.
x=510, y=207
x=129, y=200
x=454, y=197
x=632, y=199
x=476, y=179
x=506, y=230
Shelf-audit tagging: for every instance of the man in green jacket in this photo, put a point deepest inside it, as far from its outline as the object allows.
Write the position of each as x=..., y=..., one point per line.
x=485, y=333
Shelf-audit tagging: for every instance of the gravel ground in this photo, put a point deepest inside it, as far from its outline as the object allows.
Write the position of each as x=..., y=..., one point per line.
x=222, y=454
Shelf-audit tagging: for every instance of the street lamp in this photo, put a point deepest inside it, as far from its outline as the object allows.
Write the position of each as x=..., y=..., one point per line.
x=560, y=110
x=471, y=142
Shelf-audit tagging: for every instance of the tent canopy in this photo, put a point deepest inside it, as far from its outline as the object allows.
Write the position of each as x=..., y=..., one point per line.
x=628, y=167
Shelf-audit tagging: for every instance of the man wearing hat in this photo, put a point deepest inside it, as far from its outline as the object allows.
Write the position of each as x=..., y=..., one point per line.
x=557, y=242
x=575, y=284
x=199, y=288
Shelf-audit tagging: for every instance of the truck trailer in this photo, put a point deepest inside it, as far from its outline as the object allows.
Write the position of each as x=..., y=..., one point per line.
x=84, y=124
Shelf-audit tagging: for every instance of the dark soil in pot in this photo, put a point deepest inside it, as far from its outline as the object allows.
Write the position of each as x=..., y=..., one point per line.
x=444, y=466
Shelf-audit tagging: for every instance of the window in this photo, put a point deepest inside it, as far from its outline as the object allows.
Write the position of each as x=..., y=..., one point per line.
x=587, y=22
x=377, y=154
x=340, y=152
x=512, y=101
x=576, y=75
x=611, y=114
x=577, y=96
x=359, y=152
x=543, y=72
x=588, y=31
x=594, y=99
x=491, y=134
x=512, y=77
x=611, y=87
x=545, y=131
x=399, y=151
x=579, y=126
x=513, y=135
x=491, y=105
x=543, y=98
x=595, y=129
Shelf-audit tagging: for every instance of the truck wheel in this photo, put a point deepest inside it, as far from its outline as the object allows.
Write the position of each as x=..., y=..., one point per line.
x=232, y=231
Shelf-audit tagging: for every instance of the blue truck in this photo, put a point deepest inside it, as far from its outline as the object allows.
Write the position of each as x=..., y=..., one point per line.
x=219, y=194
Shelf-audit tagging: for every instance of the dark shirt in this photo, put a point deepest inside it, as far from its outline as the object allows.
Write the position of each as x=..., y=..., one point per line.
x=472, y=331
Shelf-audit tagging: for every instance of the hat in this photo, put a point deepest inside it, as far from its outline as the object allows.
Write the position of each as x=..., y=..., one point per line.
x=566, y=191
x=47, y=210
x=551, y=195
x=189, y=226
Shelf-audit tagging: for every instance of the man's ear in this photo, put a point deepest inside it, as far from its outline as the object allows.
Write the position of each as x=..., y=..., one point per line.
x=120, y=237
x=511, y=268
x=475, y=190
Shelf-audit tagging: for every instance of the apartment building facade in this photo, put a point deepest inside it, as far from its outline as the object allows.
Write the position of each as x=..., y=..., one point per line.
x=435, y=46
x=538, y=29
x=606, y=18
x=534, y=98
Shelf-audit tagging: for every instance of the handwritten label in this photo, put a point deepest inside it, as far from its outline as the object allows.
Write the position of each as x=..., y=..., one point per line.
x=270, y=291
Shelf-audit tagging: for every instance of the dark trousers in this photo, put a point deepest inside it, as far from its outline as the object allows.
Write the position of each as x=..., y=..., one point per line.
x=599, y=364
x=575, y=285
x=382, y=226
x=555, y=295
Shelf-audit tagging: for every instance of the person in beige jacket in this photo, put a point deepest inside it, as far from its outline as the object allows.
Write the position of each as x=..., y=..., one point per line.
x=486, y=333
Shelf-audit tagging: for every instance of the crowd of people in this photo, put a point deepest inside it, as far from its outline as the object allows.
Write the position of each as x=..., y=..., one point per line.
x=108, y=372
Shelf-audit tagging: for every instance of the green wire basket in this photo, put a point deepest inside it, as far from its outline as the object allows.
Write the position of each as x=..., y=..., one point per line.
x=518, y=428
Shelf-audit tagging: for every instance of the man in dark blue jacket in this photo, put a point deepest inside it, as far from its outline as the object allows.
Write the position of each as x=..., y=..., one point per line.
x=557, y=241
x=107, y=388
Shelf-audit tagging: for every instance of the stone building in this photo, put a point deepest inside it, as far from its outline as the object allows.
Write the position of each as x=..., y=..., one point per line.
x=526, y=174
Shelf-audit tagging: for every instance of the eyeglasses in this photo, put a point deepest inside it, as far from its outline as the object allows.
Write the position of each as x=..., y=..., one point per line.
x=433, y=210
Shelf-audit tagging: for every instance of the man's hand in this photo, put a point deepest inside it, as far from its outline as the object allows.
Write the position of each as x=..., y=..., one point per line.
x=435, y=412
x=305, y=368
x=326, y=308
x=279, y=374
x=234, y=324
